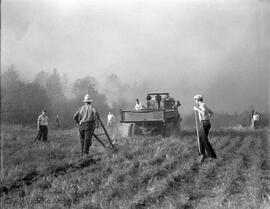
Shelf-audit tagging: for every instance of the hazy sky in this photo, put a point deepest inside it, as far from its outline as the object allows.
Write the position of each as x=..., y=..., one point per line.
x=217, y=48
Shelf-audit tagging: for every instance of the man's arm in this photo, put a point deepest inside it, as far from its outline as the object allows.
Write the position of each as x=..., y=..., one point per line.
x=199, y=110
x=76, y=116
x=203, y=110
x=38, y=122
x=208, y=110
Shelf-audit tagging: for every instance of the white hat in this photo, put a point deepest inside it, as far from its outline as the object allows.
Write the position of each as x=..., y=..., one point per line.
x=87, y=98
x=198, y=97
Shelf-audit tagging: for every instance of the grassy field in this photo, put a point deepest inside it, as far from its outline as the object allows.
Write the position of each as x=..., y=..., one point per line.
x=148, y=172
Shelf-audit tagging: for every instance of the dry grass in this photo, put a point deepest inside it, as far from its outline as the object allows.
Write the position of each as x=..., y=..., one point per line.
x=148, y=172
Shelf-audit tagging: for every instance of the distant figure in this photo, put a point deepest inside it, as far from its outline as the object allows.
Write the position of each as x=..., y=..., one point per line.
x=204, y=116
x=42, y=126
x=177, y=104
x=158, y=99
x=110, y=120
x=153, y=103
x=148, y=102
x=87, y=118
x=169, y=102
x=138, y=105
x=255, y=119
x=57, y=122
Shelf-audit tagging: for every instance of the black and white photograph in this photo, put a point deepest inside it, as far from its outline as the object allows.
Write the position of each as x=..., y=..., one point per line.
x=135, y=104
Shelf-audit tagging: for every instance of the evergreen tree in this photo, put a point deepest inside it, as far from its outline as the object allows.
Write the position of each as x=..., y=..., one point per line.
x=41, y=78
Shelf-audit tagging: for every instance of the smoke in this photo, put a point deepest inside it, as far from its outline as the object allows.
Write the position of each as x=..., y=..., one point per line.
x=215, y=48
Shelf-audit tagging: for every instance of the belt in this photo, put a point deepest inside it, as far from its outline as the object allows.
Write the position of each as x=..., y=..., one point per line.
x=205, y=121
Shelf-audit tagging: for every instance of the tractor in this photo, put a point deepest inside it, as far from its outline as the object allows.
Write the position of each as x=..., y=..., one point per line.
x=160, y=116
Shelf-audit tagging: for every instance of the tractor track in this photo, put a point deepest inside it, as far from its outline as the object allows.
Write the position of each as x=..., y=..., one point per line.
x=183, y=180
x=173, y=178
x=34, y=176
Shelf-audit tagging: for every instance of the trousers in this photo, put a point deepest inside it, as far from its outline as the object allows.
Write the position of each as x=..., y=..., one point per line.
x=86, y=130
x=203, y=140
x=42, y=132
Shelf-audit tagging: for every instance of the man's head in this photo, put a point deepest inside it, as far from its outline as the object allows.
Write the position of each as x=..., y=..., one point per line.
x=87, y=99
x=43, y=112
x=198, y=98
x=137, y=100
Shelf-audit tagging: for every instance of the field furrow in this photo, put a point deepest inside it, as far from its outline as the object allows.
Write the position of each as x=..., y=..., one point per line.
x=151, y=172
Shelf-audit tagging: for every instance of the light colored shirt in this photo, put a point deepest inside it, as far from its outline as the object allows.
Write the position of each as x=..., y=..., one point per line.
x=110, y=118
x=256, y=117
x=138, y=106
x=86, y=113
x=43, y=120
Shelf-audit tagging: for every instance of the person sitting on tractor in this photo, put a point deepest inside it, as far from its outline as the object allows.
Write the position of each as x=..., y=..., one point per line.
x=148, y=102
x=158, y=99
x=169, y=102
x=138, y=105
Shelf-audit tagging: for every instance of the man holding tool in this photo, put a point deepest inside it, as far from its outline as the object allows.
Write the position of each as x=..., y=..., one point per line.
x=204, y=116
x=87, y=118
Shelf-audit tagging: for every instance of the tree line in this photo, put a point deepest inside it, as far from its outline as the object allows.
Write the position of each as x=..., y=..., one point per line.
x=22, y=102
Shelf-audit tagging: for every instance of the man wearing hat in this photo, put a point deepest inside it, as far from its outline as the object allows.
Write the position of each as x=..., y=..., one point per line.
x=87, y=118
x=204, y=116
x=42, y=126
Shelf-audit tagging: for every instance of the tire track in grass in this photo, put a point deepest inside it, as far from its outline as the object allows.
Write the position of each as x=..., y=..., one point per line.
x=235, y=176
x=206, y=171
x=255, y=190
x=181, y=180
x=253, y=183
x=263, y=194
x=153, y=192
x=211, y=172
x=34, y=176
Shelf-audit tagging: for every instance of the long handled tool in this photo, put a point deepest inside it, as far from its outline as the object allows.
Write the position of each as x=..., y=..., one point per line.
x=105, y=131
x=197, y=131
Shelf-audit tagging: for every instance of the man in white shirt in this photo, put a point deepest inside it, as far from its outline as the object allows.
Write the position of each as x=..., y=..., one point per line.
x=204, y=116
x=138, y=105
x=256, y=119
x=42, y=126
x=110, y=120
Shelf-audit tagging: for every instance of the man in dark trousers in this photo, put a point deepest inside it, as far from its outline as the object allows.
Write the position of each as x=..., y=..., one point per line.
x=158, y=99
x=204, y=116
x=87, y=118
x=42, y=126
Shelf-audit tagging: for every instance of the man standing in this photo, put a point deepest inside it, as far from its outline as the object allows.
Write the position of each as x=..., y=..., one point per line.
x=110, y=120
x=87, y=118
x=204, y=116
x=158, y=99
x=42, y=126
x=57, y=122
x=255, y=119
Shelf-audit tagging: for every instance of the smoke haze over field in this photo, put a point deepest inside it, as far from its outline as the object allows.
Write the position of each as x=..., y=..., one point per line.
x=217, y=48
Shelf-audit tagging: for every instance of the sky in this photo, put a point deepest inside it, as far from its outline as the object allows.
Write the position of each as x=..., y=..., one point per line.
x=217, y=48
